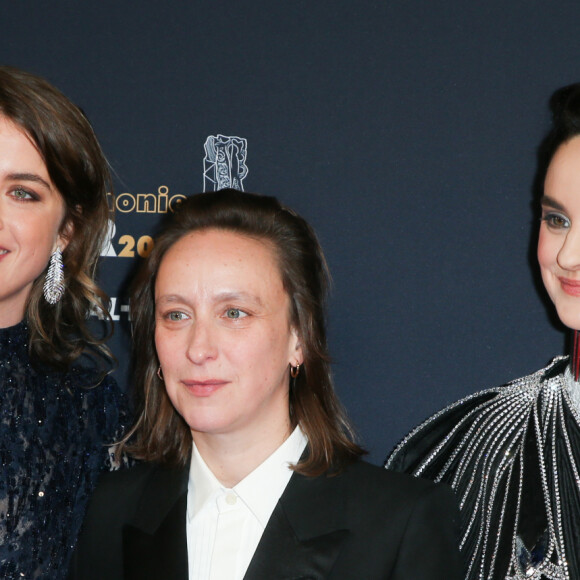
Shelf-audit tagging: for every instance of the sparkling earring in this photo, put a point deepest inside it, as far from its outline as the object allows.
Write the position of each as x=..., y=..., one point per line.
x=54, y=283
x=294, y=371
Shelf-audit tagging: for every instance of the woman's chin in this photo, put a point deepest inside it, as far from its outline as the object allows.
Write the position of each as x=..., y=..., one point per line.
x=570, y=317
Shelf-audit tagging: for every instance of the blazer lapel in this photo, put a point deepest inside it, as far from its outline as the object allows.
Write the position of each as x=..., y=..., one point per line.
x=304, y=534
x=155, y=541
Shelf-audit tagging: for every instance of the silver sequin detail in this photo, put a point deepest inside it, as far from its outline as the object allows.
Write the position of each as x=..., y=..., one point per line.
x=486, y=449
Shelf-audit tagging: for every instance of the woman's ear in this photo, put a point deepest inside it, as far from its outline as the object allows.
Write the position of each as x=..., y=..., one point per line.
x=296, y=356
x=65, y=235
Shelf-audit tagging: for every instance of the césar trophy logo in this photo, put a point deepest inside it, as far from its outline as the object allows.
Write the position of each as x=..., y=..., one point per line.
x=224, y=164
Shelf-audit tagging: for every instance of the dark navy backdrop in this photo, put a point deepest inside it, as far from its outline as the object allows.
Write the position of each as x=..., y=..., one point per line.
x=405, y=132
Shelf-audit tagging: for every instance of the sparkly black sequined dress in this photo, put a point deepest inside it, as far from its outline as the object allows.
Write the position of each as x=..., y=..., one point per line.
x=512, y=455
x=53, y=433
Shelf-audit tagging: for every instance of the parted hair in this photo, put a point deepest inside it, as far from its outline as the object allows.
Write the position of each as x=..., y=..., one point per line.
x=160, y=434
x=65, y=140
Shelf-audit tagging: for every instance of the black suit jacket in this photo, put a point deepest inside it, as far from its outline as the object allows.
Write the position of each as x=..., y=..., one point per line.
x=366, y=523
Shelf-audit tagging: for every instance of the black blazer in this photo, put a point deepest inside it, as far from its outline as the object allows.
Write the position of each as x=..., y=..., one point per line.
x=366, y=523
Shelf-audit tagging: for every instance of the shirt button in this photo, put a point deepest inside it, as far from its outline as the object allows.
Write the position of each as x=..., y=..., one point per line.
x=231, y=499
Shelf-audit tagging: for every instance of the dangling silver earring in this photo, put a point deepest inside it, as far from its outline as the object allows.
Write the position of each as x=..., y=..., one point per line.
x=54, y=283
x=160, y=375
x=294, y=371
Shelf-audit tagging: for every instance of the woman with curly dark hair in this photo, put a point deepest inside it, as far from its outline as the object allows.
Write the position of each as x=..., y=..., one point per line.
x=56, y=414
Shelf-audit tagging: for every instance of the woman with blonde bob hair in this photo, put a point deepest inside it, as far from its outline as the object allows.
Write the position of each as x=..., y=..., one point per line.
x=250, y=470
x=56, y=414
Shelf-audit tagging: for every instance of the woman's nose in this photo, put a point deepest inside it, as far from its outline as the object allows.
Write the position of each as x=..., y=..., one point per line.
x=202, y=346
x=569, y=254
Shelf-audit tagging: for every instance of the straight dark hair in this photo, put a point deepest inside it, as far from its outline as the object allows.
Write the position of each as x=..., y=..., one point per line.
x=160, y=434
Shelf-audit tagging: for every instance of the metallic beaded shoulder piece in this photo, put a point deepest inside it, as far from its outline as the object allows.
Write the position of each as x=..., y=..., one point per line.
x=512, y=455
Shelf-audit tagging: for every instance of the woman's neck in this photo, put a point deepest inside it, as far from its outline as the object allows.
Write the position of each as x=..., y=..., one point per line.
x=231, y=457
x=11, y=312
x=9, y=322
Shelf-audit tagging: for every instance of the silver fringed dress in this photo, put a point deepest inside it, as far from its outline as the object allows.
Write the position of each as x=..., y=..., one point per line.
x=512, y=455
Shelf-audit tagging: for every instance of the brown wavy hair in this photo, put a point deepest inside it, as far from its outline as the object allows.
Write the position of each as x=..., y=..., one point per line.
x=160, y=433
x=77, y=166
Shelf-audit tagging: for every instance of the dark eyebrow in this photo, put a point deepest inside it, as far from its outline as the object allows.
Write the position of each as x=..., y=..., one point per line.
x=547, y=200
x=29, y=177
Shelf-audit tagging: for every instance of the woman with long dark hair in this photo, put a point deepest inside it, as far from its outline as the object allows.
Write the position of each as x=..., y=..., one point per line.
x=56, y=414
x=512, y=453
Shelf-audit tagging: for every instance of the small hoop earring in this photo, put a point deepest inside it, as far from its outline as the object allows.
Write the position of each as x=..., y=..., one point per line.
x=160, y=375
x=294, y=371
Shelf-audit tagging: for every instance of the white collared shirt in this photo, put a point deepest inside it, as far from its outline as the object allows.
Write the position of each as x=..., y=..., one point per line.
x=224, y=526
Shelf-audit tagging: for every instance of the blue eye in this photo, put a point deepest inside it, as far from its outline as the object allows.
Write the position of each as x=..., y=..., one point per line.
x=235, y=313
x=176, y=316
